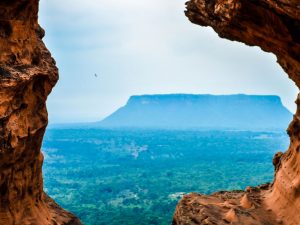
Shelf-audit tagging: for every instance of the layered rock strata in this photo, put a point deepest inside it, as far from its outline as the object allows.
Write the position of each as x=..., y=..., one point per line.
x=274, y=26
x=27, y=76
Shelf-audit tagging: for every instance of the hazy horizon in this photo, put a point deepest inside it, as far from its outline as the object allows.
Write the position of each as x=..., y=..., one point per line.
x=187, y=97
x=122, y=105
x=146, y=47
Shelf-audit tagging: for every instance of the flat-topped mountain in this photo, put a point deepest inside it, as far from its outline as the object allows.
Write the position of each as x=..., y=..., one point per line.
x=184, y=111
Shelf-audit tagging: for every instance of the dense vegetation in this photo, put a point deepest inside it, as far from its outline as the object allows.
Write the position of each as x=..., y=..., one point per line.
x=132, y=177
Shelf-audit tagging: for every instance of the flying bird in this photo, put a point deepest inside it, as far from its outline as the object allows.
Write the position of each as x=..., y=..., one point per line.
x=96, y=75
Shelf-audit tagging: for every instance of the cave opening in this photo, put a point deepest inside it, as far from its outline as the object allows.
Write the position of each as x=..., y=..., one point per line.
x=137, y=176
x=126, y=196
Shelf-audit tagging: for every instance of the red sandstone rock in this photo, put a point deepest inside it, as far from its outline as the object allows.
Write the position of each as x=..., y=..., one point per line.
x=27, y=75
x=275, y=27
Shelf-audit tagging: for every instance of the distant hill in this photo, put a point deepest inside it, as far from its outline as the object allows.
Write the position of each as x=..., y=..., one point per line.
x=186, y=111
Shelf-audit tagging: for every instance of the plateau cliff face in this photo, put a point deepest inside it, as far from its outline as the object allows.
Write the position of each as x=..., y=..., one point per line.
x=27, y=75
x=184, y=111
x=275, y=27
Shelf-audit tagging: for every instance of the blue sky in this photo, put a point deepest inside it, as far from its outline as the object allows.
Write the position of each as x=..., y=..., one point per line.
x=145, y=47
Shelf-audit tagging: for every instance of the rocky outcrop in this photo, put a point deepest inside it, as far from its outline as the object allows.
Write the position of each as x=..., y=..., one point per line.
x=27, y=75
x=223, y=208
x=274, y=26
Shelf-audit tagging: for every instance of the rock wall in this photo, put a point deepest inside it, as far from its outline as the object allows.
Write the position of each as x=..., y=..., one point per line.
x=274, y=26
x=27, y=76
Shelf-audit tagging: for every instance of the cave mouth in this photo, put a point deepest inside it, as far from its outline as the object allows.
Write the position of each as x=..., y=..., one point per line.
x=127, y=197
x=112, y=162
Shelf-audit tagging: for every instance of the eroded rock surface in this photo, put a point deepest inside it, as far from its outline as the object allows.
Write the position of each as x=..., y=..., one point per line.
x=222, y=208
x=27, y=76
x=275, y=27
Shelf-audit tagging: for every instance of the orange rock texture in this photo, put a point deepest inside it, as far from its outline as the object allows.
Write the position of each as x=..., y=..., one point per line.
x=27, y=76
x=274, y=26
